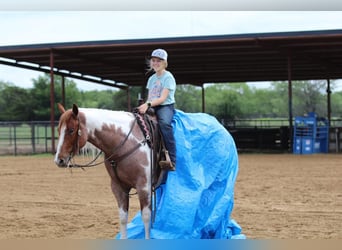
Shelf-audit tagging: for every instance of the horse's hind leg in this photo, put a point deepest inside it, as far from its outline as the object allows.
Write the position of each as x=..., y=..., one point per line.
x=145, y=207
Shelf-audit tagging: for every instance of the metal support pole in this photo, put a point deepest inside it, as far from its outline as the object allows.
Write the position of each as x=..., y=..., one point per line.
x=52, y=103
x=128, y=99
x=328, y=101
x=15, y=139
x=203, y=99
x=337, y=140
x=289, y=77
x=63, y=91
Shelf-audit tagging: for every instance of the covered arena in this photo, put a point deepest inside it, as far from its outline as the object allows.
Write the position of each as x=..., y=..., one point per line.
x=277, y=196
x=282, y=56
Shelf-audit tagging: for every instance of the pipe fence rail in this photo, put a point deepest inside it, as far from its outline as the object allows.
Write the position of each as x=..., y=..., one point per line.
x=34, y=137
x=18, y=138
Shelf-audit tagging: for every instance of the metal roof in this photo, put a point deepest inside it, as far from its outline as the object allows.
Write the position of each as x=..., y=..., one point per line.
x=193, y=60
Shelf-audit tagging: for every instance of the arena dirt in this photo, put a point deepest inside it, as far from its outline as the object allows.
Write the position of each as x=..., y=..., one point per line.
x=279, y=196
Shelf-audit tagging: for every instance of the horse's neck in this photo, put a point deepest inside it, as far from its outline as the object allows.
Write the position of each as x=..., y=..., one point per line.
x=103, y=124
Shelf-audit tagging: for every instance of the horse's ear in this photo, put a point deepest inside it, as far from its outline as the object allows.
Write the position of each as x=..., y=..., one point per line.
x=60, y=108
x=75, y=109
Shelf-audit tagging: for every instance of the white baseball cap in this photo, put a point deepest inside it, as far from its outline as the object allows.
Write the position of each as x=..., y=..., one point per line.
x=159, y=53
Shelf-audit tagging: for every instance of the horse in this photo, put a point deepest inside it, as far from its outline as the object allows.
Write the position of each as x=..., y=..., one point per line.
x=127, y=154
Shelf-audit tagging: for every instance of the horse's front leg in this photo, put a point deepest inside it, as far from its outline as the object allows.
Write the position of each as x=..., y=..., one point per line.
x=145, y=207
x=123, y=222
x=123, y=202
x=146, y=216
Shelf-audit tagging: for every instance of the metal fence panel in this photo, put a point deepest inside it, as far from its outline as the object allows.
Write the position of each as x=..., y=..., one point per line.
x=25, y=137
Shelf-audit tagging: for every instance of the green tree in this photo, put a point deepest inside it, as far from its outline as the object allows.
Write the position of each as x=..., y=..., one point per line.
x=309, y=96
x=336, y=104
x=97, y=99
x=280, y=98
x=222, y=101
x=15, y=104
x=188, y=98
x=227, y=100
x=119, y=98
x=40, y=95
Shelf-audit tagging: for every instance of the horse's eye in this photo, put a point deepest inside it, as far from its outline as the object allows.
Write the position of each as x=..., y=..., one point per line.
x=71, y=131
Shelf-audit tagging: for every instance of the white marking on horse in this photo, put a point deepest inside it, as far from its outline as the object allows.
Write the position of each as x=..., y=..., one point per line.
x=60, y=142
x=146, y=216
x=147, y=169
x=95, y=119
x=123, y=223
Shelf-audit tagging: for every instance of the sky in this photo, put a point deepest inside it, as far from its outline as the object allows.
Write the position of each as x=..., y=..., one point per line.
x=35, y=27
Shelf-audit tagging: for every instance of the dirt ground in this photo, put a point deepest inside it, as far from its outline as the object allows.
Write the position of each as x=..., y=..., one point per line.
x=279, y=196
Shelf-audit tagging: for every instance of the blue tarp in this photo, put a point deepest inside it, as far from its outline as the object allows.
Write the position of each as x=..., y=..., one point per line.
x=198, y=198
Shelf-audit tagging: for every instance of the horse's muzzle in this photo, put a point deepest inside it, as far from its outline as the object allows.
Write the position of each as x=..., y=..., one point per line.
x=62, y=162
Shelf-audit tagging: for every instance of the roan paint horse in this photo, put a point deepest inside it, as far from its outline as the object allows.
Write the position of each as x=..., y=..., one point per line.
x=127, y=155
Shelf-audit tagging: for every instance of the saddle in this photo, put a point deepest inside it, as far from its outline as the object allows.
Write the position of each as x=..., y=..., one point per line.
x=149, y=126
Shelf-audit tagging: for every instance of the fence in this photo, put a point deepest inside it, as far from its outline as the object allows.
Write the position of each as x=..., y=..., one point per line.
x=18, y=138
x=255, y=123
x=273, y=135
x=25, y=137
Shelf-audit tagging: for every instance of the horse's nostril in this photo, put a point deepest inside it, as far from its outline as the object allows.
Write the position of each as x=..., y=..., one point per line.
x=60, y=162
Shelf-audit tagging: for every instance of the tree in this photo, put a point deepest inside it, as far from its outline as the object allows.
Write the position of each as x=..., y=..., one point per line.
x=280, y=98
x=222, y=101
x=336, y=104
x=97, y=99
x=226, y=100
x=188, y=98
x=15, y=103
x=309, y=96
x=40, y=94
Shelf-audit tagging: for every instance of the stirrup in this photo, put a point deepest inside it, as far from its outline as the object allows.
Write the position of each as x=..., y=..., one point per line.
x=167, y=165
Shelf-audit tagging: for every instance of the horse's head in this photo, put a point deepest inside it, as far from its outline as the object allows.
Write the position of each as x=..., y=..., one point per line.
x=72, y=135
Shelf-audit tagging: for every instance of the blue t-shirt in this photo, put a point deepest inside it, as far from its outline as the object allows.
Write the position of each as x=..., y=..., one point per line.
x=156, y=84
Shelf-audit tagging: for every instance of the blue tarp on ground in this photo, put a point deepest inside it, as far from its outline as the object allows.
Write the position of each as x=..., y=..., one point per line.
x=197, y=200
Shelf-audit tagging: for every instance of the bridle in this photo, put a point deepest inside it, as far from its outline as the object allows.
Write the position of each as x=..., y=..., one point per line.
x=76, y=145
